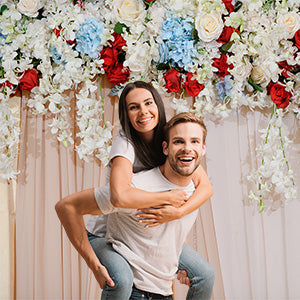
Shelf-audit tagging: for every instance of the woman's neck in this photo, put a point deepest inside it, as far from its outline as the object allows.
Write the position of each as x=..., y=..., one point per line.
x=147, y=137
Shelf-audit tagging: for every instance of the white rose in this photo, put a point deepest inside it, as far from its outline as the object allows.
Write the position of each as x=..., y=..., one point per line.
x=209, y=26
x=129, y=11
x=242, y=70
x=259, y=75
x=291, y=20
x=29, y=7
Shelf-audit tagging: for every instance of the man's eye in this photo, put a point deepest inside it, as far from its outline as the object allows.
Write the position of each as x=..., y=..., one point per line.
x=177, y=142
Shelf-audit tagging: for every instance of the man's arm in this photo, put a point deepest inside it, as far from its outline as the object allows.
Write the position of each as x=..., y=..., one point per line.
x=70, y=211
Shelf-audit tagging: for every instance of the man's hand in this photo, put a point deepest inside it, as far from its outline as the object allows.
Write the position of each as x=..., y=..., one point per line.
x=103, y=277
x=158, y=215
x=183, y=278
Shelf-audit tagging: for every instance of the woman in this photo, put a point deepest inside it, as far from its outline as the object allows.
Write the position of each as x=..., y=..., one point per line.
x=137, y=147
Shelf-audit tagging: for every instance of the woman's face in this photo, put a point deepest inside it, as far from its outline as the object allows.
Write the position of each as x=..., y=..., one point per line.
x=142, y=111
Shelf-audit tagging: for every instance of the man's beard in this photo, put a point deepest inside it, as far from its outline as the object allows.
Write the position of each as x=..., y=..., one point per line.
x=182, y=170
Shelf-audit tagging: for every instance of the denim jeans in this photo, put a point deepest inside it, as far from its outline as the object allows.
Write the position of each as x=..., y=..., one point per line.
x=143, y=295
x=200, y=272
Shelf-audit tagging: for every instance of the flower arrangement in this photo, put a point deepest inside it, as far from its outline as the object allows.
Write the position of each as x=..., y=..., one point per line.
x=224, y=53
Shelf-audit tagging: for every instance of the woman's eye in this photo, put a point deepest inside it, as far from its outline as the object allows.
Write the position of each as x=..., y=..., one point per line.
x=149, y=102
x=132, y=107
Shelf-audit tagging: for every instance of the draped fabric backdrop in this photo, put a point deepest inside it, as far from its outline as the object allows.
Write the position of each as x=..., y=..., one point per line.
x=47, y=265
x=256, y=256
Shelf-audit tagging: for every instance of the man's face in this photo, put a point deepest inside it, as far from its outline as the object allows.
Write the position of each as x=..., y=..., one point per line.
x=185, y=148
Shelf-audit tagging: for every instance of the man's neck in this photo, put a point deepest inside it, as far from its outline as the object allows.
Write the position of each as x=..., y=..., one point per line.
x=173, y=176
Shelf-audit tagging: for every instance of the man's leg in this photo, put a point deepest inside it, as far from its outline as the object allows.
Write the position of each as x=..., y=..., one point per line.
x=117, y=267
x=200, y=273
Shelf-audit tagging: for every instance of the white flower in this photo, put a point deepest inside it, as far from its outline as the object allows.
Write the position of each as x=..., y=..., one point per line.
x=291, y=21
x=241, y=71
x=29, y=7
x=209, y=26
x=129, y=11
x=62, y=2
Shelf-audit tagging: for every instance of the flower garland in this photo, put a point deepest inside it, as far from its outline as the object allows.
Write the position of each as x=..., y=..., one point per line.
x=224, y=53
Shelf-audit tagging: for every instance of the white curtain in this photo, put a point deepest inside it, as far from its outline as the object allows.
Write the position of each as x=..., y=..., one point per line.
x=256, y=255
x=47, y=266
x=259, y=252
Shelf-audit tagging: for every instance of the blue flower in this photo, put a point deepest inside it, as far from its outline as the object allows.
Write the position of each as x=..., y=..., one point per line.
x=2, y=37
x=56, y=56
x=88, y=37
x=224, y=87
x=178, y=46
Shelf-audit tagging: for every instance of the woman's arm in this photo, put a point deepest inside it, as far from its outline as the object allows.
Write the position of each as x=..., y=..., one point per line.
x=124, y=195
x=166, y=213
x=70, y=211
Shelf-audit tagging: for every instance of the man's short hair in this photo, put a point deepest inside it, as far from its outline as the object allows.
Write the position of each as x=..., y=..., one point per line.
x=185, y=117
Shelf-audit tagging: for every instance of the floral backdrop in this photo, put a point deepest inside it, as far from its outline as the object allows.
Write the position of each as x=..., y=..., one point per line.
x=226, y=54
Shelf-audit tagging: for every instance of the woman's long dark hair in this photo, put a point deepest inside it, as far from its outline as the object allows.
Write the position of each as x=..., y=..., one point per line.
x=151, y=155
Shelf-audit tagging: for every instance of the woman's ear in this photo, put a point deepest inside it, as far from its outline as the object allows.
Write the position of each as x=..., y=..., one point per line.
x=165, y=148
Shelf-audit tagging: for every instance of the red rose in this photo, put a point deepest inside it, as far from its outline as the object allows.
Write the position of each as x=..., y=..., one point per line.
x=285, y=67
x=192, y=86
x=228, y=5
x=222, y=66
x=29, y=80
x=119, y=42
x=118, y=74
x=297, y=39
x=172, y=78
x=110, y=56
x=279, y=95
x=226, y=34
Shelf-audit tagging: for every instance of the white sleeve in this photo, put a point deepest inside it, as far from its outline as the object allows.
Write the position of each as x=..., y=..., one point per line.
x=102, y=197
x=122, y=147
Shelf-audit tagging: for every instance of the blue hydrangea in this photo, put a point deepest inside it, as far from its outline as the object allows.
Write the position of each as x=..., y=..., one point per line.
x=178, y=46
x=56, y=56
x=88, y=37
x=224, y=87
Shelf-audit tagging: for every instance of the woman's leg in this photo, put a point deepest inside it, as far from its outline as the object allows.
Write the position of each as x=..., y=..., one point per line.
x=200, y=273
x=117, y=267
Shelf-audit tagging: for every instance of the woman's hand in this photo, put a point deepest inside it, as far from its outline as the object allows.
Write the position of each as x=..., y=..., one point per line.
x=158, y=215
x=177, y=197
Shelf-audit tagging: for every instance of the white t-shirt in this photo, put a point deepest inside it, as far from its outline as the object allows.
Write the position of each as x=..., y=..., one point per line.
x=153, y=253
x=120, y=147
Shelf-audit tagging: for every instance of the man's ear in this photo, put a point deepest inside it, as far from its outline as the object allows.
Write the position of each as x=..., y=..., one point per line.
x=203, y=149
x=165, y=148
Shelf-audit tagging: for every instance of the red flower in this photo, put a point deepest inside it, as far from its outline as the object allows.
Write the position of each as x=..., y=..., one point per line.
x=172, y=78
x=297, y=39
x=119, y=42
x=29, y=80
x=118, y=74
x=222, y=66
x=226, y=34
x=279, y=95
x=286, y=68
x=113, y=61
x=192, y=86
x=10, y=86
x=228, y=5
x=110, y=56
x=58, y=33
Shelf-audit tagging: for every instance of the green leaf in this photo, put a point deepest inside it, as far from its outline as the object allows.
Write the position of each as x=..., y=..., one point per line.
x=224, y=49
x=238, y=5
x=162, y=66
x=3, y=8
x=119, y=27
x=254, y=85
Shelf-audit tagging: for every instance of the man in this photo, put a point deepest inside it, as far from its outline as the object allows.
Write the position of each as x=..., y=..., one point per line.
x=152, y=253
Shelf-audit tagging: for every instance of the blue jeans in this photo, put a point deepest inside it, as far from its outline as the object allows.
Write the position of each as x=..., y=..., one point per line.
x=200, y=272
x=139, y=294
